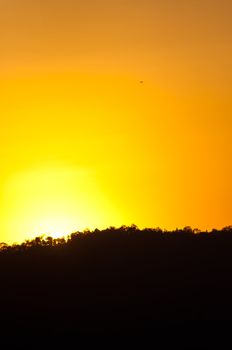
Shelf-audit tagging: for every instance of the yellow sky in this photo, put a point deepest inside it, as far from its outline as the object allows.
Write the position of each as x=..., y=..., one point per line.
x=85, y=144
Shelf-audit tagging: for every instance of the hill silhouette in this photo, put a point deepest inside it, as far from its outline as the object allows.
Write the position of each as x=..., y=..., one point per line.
x=115, y=280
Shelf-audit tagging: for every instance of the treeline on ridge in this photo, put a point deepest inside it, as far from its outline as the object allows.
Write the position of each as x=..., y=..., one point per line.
x=118, y=233
x=117, y=280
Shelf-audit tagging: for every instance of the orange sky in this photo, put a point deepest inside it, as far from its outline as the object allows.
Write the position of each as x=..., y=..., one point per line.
x=85, y=144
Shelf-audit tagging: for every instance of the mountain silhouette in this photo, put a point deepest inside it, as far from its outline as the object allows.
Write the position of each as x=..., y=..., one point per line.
x=117, y=280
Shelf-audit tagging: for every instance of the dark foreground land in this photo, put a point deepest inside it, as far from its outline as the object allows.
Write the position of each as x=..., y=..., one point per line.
x=115, y=281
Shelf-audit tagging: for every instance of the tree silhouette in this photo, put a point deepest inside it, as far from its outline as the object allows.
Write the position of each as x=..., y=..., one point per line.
x=115, y=280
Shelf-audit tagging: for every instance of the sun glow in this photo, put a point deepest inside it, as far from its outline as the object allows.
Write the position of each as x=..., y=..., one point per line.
x=54, y=200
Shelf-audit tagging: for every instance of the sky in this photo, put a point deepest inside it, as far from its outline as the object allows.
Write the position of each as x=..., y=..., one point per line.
x=114, y=112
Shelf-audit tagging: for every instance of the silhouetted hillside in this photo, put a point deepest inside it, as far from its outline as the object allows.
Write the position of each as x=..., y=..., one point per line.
x=116, y=280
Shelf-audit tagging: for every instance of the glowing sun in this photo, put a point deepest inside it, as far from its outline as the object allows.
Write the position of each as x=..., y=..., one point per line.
x=54, y=200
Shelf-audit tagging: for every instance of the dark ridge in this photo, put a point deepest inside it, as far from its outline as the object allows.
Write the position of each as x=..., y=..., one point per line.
x=116, y=281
